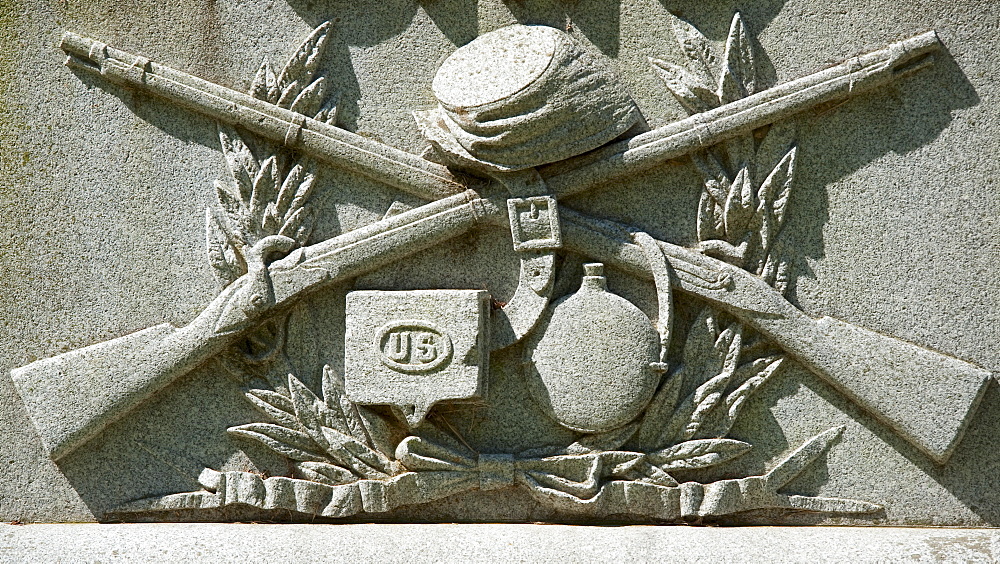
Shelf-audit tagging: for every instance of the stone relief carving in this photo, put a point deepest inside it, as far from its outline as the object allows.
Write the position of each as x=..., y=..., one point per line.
x=526, y=118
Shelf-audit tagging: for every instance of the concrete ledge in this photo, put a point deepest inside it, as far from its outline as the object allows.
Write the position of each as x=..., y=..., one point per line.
x=205, y=542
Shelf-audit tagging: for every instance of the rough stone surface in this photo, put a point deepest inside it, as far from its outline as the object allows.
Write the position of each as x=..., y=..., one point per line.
x=812, y=241
x=490, y=543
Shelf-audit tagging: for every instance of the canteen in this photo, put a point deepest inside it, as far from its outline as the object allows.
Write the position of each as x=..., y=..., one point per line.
x=588, y=362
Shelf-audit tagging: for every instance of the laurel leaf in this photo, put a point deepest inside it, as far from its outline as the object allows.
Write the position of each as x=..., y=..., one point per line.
x=242, y=165
x=310, y=412
x=302, y=234
x=302, y=66
x=232, y=205
x=739, y=72
x=699, y=453
x=299, y=226
x=276, y=406
x=657, y=414
x=710, y=222
x=288, y=189
x=263, y=82
x=325, y=473
x=303, y=192
x=309, y=100
x=775, y=189
x=602, y=442
x=687, y=87
x=271, y=222
x=695, y=46
x=264, y=187
x=289, y=443
x=739, y=206
x=223, y=252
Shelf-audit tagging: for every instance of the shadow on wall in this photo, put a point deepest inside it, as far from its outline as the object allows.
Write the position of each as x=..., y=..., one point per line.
x=836, y=142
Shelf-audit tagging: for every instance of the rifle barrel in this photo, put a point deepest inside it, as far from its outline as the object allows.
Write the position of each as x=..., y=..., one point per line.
x=336, y=146
x=706, y=129
x=431, y=181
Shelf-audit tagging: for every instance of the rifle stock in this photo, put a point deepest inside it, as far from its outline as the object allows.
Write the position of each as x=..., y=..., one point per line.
x=73, y=396
x=925, y=396
x=886, y=377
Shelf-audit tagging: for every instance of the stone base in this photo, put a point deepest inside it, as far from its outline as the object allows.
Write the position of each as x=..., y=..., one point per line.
x=488, y=543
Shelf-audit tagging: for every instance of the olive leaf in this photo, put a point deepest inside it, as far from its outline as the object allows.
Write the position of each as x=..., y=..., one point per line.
x=360, y=458
x=264, y=187
x=309, y=100
x=708, y=395
x=357, y=420
x=299, y=226
x=772, y=197
x=747, y=379
x=699, y=453
x=310, y=411
x=302, y=192
x=778, y=185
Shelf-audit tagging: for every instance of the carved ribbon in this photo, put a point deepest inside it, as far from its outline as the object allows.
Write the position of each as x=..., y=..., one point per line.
x=596, y=484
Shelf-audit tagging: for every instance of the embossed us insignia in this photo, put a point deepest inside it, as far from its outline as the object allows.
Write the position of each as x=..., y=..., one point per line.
x=607, y=380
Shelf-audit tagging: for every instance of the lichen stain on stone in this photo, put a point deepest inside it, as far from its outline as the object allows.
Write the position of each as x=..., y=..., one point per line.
x=152, y=31
x=11, y=121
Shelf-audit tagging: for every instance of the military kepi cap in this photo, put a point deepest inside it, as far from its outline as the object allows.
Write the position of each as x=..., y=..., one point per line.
x=523, y=96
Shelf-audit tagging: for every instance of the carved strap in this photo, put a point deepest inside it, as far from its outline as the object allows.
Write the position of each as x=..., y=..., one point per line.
x=662, y=274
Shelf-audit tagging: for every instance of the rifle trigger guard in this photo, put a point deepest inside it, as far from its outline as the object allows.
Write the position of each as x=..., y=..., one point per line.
x=257, y=292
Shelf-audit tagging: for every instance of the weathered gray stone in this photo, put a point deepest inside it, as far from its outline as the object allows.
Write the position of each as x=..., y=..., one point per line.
x=165, y=542
x=213, y=265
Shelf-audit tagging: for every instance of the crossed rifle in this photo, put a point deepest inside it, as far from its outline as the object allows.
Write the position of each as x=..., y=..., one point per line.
x=924, y=396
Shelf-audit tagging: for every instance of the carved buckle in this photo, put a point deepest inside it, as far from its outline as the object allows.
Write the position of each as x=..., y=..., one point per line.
x=534, y=223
